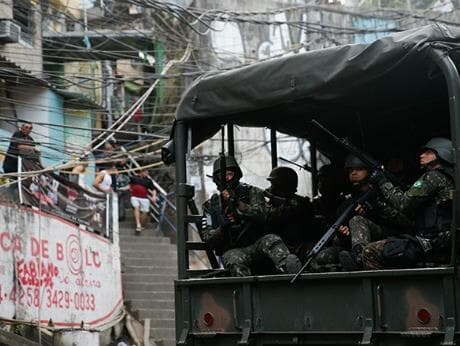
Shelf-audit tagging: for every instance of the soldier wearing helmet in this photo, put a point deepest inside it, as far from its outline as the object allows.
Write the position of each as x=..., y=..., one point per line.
x=288, y=214
x=233, y=225
x=372, y=221
x=429, y=201
x=330, y=188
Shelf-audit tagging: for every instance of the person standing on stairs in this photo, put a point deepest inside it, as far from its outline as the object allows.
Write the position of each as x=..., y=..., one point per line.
x=140, y=185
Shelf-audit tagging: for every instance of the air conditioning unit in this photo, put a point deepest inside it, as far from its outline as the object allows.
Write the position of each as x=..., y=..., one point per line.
x=9, y=31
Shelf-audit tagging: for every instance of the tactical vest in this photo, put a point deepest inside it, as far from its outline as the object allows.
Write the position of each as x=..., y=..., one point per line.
x=239, y=233
x=436, y=216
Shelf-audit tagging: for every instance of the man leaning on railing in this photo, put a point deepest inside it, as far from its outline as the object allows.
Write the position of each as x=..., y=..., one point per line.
x=21, y=144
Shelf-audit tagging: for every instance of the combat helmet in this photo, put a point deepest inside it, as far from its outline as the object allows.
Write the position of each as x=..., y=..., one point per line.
x=352, y=161
x=230, y=164
x=442, y=147
x=284, y=177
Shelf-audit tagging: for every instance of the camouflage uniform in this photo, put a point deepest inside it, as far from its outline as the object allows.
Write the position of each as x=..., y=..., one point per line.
x=252, y=259
x=330, y=186
x=429, y=201
x=292, y=219
x=235, y=230
x=380, y=221
x=222, y=235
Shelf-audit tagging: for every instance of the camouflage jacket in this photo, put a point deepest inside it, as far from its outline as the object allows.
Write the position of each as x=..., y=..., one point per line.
x=428, y=199
x=229, y=225
x=378, y=210
x=291, y=218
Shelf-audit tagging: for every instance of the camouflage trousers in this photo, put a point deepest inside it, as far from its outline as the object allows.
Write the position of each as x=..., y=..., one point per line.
x=412, y=253
x=268, y=249
x=374, y=254
x=326, y=260
x=364, y=231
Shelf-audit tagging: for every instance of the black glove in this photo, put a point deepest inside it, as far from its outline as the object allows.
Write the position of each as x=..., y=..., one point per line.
x=377, y=177
x=233, y=199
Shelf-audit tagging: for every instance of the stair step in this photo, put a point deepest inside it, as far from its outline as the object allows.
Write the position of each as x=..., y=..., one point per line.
x=160, y=261
x=156, y=313
x=145, y=246
x=163, y=333
x=143, y=239
x=147, y=278
x=162, y=323
x=150, y=269
x=148, y=253
x=163, y=342
x=161, y=295
x=151, y=304
x=149, y=263
x=151, y=287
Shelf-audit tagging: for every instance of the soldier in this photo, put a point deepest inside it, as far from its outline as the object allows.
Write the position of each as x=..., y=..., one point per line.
x=288, y=214
x=330, y=186
x=233, y=226
x=428, y=199
x=373, y=221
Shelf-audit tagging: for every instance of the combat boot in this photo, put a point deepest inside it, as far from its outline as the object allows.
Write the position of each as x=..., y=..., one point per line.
x=291, y=265
x=352, y=260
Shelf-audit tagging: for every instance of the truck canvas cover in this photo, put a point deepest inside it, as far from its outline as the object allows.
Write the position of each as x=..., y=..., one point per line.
x=390, y=79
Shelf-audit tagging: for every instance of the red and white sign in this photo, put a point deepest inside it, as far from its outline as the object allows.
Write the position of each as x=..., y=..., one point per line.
x=53, y=272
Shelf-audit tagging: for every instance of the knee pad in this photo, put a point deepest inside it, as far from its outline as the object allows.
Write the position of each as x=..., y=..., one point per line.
x=357, y=219
x=270, y=240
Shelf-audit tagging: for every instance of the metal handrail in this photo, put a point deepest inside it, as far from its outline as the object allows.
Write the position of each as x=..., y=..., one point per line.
x=159, y=212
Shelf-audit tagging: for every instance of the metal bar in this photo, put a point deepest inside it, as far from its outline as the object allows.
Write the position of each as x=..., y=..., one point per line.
x=442, y=59
x=210, y=254
x=107, y=214
x=180, y=145
x=162, y=214
x=20, y=179
x=132, y=160
x=230, y=140
x=314, y=169
x=273, y=148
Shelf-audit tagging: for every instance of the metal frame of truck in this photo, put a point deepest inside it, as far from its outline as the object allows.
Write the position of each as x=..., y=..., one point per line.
x=387, y=307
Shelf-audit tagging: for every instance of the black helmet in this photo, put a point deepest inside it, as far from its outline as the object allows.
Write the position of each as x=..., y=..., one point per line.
x=442, y=147
x=284, y=177
x=352, y=161
x=230, y=164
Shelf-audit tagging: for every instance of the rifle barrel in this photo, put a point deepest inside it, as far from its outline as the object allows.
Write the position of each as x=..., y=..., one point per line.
x=306, y=166
x=331, y=231
x=367, y=159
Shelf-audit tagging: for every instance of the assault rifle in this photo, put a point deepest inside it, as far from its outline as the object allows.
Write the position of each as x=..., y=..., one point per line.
x=306, y=166
x=330, y=233
x=275, y=200
x=364, y=157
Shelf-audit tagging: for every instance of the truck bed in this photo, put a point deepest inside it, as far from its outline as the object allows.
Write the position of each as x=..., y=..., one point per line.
x=387, y=307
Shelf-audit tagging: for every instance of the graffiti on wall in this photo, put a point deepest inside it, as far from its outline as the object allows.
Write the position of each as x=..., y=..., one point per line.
x=56, y=273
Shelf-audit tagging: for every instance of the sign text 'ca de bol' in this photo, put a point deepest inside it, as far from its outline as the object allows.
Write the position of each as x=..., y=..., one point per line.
x=52, y=271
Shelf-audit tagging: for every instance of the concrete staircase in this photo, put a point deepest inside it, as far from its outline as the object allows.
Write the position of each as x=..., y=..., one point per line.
x=149, y=265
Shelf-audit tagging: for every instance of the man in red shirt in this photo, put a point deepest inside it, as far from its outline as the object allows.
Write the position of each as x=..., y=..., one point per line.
x=140, y=186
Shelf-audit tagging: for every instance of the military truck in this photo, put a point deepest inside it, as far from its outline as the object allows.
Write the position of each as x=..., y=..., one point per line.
x=387, y=97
